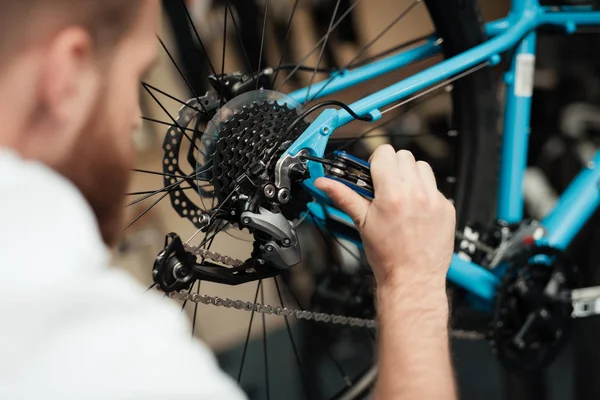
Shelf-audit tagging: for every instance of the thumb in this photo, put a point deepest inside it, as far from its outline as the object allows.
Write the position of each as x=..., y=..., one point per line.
x=345, y=199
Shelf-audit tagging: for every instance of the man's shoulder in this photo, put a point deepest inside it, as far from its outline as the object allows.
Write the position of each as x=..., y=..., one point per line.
x=106, y=334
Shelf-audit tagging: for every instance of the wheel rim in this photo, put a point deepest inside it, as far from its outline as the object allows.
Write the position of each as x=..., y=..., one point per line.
x=182, y=185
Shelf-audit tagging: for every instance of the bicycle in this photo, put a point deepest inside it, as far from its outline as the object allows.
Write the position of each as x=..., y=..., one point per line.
x=259, y=155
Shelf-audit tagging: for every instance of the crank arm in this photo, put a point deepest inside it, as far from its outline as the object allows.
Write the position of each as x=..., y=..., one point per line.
x=585, y=302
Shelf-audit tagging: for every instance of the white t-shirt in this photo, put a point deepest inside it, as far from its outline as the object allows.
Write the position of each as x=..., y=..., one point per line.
x=70, y=327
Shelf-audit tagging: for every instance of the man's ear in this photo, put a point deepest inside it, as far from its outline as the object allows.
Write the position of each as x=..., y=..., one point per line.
x=70, y=83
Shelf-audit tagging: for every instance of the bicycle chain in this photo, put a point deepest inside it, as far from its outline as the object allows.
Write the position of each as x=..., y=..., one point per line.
x=212, y=256
x=273, y=310
x=283, y=311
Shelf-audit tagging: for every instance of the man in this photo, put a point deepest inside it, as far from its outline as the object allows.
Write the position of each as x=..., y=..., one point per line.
x=72, y=328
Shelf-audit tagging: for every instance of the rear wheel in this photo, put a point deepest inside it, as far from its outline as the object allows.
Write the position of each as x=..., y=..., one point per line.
x=336, y=271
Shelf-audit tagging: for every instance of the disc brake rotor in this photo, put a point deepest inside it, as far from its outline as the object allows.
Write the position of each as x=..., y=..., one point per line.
x=181, y=150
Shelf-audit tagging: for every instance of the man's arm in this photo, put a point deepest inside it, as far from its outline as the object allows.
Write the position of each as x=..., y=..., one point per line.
x=414, y=360
x=408, y=235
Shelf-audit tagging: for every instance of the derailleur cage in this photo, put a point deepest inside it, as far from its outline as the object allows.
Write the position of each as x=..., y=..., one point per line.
x=176, y=269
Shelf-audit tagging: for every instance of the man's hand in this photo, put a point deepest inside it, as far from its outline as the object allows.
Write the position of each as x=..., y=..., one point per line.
x=408, y=229
x=408, y=234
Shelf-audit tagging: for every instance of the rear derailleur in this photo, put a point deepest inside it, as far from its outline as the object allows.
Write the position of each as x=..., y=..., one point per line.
x=276, y=248
x=255, y=205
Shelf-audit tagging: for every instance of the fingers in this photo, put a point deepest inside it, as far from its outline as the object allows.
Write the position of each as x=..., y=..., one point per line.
x=412, y=175
x=384, y=168
x=427, y=177
x=407, y=167
x=345, y=199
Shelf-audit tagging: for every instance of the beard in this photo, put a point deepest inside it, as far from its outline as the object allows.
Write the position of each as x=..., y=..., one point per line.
x=100, y=170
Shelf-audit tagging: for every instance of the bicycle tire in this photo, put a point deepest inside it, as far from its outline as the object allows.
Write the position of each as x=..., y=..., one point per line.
x=475, y=114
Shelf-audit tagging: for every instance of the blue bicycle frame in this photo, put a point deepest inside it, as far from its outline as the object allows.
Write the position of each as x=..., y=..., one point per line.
x=517, y=31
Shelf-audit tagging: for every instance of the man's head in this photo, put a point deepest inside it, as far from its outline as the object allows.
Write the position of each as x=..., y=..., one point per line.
x=69, y=87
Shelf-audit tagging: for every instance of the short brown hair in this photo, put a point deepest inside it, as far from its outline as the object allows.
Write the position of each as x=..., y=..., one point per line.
x=24, y=21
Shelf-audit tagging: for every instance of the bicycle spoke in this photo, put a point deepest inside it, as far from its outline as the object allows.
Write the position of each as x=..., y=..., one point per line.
x=185, y=301
x=237, y=238
x=384, y=31
x=307, y=68
x=157, y=121
x=199, y=282
x=324, y=236
x=285, y=41
x=336, y=239
x=322, y=233
x=212, y=238
x=145, y=212
x=221, y=102
x=338, y=366
x=265, y=351
x=327, y=239
x=145, y=171
x=193, y=236
x=371, y=334
x=292, y=341
x=181, y=74
x=327, y=243
x=158, y=191
x=442, y=85
x=168, y=187
x=173, y=119
x=391, y=50
x=410, y=104
x=170, y=96
x=195, y=312
x=350, y=64
x=198, y=289
x=229, y=196
x=329, y=30
x=239, y=377
x=316, y=46
x=364, y=135
x=239, y=37
x=191, y=20
x=262, y=40
x=190, y=176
